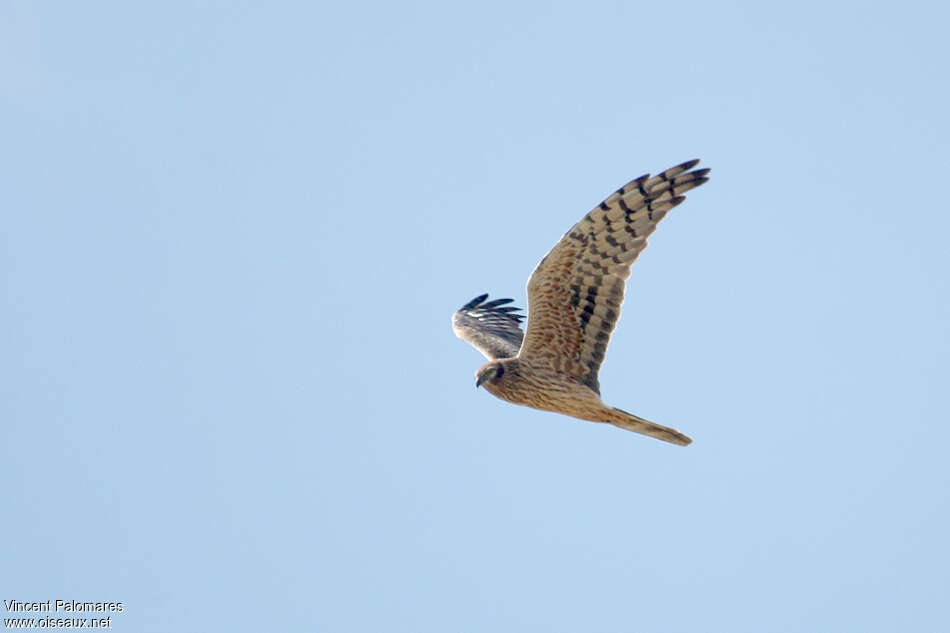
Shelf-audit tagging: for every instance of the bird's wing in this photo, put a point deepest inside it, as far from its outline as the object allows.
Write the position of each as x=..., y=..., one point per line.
x=492, y=328
x=574, y=294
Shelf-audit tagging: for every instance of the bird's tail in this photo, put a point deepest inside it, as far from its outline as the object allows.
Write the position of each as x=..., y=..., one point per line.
x=628, y=421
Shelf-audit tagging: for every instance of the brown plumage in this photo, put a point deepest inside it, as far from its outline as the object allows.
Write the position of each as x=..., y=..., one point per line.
x=574, y=299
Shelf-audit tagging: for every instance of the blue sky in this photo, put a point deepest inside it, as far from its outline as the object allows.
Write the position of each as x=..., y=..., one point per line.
x=233, y=236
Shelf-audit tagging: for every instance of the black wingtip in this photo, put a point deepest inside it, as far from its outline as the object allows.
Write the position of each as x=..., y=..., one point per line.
x=496, y=306
x=474, y=302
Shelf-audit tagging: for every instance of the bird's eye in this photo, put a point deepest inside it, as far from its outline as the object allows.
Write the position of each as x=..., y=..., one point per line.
x=499, y=372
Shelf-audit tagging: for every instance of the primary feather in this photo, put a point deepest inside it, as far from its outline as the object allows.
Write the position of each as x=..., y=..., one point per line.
x=492, y=328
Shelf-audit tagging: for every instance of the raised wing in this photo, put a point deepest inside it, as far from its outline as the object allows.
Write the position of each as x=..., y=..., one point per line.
x=575, y=293
x=492, y=328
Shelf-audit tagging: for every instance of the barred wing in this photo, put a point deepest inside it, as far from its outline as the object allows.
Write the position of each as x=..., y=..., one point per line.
x=575, y=293
x=492, y=328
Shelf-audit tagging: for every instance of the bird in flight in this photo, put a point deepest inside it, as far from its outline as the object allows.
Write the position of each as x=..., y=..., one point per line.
x=574, y=298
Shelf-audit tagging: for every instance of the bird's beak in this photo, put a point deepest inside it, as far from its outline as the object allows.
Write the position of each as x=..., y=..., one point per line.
x=478, y=381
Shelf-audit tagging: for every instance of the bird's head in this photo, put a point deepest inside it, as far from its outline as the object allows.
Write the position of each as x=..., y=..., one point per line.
x=495, y=375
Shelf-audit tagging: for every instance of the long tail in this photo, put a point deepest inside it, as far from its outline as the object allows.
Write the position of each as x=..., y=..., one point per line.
x=631, y=422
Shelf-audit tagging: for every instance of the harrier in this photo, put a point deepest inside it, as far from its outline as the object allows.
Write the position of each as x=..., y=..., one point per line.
x=574, y=298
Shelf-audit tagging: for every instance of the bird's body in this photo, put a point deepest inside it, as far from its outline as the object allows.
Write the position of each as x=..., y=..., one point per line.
x=560, y=393
x=574, y=299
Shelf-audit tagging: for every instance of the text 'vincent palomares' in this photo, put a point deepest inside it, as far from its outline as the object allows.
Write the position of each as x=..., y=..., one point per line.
x=72, y=606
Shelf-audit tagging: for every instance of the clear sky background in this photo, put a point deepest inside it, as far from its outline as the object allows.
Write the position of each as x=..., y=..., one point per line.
x=233, y=235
